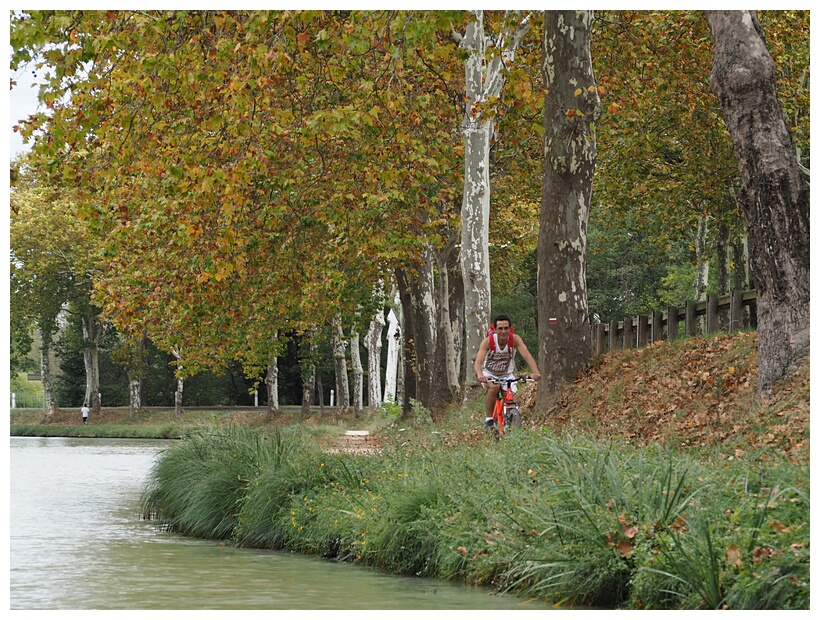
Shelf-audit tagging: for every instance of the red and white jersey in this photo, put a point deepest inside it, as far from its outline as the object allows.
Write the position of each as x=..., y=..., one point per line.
x=500, y=362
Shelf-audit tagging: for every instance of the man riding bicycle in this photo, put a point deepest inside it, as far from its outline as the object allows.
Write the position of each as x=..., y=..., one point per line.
x=496, y=362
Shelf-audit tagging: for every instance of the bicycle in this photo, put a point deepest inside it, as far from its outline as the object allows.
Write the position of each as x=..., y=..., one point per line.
x=506, y=411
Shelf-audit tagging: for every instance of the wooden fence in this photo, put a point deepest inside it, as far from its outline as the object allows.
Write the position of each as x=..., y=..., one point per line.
x=641, y=330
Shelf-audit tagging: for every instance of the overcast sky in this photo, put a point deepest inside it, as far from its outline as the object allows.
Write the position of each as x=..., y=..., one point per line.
x=22, y=102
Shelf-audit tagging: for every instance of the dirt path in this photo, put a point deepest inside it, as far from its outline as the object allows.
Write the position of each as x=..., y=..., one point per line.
x=357, y=442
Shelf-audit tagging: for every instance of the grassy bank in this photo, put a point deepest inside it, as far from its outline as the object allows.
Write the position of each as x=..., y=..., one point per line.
x=162, y=423
x=561, y=518
x=656, y=480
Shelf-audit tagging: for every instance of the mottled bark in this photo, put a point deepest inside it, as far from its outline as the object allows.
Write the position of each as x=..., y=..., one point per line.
x=774, y=195
x=180, y=386
x=420, y=315
x=724, y=270
x=320, y=391
x=447, y=386
x=373, y=344
x=135, y=398
x=358, y=373
x=308, y=387
x=338, y=345
x=408, y=353
x=91, y=337
x=572, y=106
x=740, y=258
x=310, y=377
x=702, y=258
x=49, y=398
x=394, y=343
x=272, y=385
x=484, y=81
x=455, y=299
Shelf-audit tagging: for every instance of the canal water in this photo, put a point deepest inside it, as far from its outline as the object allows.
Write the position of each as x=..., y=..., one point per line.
x=77, y=541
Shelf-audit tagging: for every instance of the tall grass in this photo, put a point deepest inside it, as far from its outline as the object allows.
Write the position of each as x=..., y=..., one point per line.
x=567, y=520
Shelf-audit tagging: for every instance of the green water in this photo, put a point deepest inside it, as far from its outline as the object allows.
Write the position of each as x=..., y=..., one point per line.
x=77, y=541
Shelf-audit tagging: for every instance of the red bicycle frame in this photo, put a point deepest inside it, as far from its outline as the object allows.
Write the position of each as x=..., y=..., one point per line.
x=504, y=399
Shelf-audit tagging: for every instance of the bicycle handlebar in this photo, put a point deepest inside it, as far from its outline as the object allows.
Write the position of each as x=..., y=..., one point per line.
x=511, y=381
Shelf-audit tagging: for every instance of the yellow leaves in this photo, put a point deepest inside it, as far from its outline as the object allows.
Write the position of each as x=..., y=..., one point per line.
x=578, y=92
x=613, y=108
x=224, y=272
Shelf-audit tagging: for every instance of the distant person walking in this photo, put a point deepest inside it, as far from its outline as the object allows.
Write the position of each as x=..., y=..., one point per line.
x=85, y=413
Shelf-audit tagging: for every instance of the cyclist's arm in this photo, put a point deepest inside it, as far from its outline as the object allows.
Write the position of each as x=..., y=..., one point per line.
x=525, y=353
x=479, y=360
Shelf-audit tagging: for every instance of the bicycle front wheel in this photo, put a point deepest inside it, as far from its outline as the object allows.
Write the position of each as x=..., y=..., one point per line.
x=513, y=417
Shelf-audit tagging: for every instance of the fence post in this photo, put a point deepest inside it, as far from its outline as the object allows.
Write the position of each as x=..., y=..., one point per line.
x=691, y=318
x=712, y=324
x=600, y=339
x=657, y=326
x=672, y=323
x=613, y=335
x=643, y=330
x=736, y=311
x=628, y=341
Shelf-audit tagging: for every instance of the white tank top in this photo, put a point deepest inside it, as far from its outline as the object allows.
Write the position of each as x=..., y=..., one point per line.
x=500, y=362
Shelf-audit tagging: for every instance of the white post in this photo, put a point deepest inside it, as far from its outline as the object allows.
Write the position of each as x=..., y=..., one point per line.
x=256, y=398
x=331, y=398
x=13, y=400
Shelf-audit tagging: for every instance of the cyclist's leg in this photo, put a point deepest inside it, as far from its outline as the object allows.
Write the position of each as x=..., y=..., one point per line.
x=490, y=403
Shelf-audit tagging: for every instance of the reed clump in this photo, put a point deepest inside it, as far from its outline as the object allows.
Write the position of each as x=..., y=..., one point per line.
x=566, y=519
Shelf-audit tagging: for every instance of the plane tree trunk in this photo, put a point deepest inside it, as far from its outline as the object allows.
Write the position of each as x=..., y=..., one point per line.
x=571, y=108
x=774, y=195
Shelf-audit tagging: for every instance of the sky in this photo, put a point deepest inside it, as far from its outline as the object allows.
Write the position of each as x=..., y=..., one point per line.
x=22, y=102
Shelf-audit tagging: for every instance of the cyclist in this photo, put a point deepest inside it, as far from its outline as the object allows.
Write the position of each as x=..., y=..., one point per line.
x=496, y=361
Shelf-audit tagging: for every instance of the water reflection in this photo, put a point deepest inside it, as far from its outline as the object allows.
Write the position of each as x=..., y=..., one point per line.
x=77, y=542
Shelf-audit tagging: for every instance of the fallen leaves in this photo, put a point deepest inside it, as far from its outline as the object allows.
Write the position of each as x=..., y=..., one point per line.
x=697, y=392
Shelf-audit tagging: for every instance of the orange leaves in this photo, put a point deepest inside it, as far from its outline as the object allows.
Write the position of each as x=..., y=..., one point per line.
x=303, y=38
x=629, y=531
x=624, y=548
x=663, y=392
x=733, y=555
x=761, y=553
